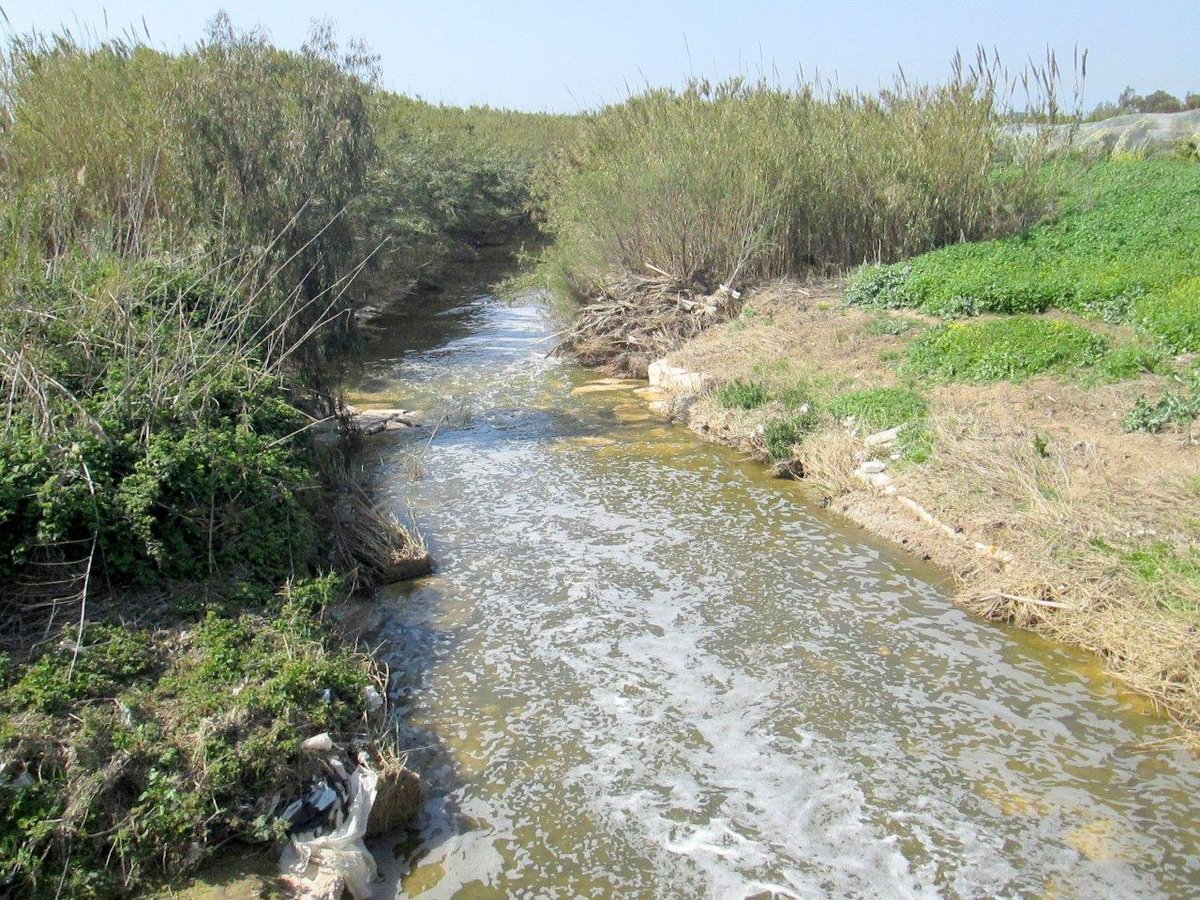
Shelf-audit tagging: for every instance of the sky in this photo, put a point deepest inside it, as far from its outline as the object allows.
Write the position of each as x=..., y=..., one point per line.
x=566, y=56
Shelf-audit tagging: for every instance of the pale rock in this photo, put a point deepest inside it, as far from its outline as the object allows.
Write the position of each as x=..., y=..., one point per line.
x=318, y=743
x=883, y=438
x=677, y=379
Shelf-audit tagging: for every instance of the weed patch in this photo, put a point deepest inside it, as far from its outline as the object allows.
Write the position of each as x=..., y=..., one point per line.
x=738, y=394
x=177, y=741
x=1172, y=410
x=1131, y=361
x=1129, y=235
x=1004, y=349
x=875, y=409
x=1173, y=318
x=890, y=325
x=1175, y=575
x=781, y=435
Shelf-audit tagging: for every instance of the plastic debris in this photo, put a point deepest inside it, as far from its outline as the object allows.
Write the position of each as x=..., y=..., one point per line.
x=318, y=743
x=372, y=698
x=321, y=867
x=322, y=798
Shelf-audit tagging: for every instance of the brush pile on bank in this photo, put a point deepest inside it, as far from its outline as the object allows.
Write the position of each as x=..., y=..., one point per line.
x=638, y=319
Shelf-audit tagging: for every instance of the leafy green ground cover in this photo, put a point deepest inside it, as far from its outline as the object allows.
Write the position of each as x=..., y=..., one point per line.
x=1126, y=247
x=1006, y=349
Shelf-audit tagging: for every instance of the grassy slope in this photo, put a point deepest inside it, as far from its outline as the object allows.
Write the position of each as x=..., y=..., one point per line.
x=1127, y=248
x=160, y=360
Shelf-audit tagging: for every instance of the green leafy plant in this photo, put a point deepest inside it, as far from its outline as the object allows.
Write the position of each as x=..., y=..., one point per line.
x=1173, y=318
x=738, y=394
x=1129, y=229
x=782, y=434
x=1007, y=349
x=875, y=409
x=1173, y=409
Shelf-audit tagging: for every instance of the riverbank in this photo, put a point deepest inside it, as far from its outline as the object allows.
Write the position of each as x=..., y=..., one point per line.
x=180, y=496
x=671, y=674
x=1048, y=511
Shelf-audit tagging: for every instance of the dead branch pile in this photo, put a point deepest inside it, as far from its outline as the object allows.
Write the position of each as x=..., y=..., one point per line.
x=366, y=539
x=637, y=319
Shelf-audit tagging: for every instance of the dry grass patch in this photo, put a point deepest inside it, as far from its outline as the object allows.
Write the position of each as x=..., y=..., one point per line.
x=1045, y=510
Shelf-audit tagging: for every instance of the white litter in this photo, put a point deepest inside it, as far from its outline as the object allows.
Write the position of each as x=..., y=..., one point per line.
x=321, y=868
x=372, y=698
x=318, y=742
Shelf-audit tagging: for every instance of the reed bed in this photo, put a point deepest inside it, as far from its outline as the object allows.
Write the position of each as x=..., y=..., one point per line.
x=740, y=181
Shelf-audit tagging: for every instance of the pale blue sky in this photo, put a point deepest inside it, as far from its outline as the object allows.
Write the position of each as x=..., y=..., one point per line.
x=538, y=54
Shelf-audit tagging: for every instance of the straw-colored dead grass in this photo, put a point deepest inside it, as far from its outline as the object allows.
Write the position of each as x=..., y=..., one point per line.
x=1034, y=497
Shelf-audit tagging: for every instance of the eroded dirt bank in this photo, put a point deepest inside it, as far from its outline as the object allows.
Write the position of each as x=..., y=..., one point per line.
x=1032, y=494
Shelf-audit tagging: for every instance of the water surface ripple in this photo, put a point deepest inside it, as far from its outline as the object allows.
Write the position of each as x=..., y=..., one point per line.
x=644, y=669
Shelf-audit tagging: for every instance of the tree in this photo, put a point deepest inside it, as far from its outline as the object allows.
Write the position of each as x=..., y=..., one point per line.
x=1160, y=102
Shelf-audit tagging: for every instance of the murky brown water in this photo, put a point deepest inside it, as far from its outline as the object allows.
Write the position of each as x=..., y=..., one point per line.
x=644, y=669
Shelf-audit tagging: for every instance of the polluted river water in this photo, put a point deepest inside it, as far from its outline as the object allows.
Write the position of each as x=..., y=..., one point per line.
x=643, y=668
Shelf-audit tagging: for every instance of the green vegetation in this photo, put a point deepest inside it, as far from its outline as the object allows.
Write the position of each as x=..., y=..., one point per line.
x=782, y=434
x=1131, y=361
x=1127, y=248
x=738, y=394
x=1172, y=318
x=875, y=409
x=181, y=244
x=1174, y=409
x=1004, y=349
x=1131, y=101
x=140, y=749
x=1173, y=576
x=890, y=325
x=739, y=181
x=450, y=180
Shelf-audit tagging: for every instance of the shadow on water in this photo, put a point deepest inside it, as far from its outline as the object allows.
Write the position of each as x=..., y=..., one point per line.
x=411, y=652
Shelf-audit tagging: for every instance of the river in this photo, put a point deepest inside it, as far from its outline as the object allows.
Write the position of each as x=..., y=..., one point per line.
x=643, y=668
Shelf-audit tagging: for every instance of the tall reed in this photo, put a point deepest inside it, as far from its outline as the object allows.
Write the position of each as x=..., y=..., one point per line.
x=743, y=180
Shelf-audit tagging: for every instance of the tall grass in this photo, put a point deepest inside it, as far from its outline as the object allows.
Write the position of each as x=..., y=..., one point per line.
x=175, y=250
x=744, y=180
x=449, y=180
